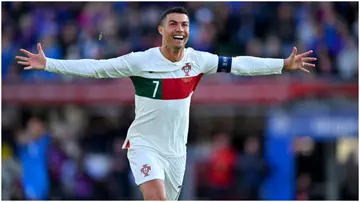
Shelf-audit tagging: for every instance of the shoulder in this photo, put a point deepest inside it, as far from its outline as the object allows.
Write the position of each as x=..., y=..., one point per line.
x=150, y=51
x=143, y=55
x=192, y=52
x=145, y=61
x=207, y=61
x=139, y=59
x=201, y=55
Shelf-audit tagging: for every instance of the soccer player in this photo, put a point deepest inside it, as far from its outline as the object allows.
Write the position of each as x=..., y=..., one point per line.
x=164, y=79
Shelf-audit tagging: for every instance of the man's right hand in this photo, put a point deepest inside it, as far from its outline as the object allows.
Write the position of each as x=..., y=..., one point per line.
x=33, y=61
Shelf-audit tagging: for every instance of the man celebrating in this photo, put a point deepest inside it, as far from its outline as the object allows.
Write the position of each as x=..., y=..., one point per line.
x=164, y=79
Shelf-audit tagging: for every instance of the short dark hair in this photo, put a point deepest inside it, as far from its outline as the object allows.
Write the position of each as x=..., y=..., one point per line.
x=180, y=10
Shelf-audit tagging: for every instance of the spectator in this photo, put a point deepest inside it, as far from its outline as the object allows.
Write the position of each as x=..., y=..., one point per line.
x=351, y=182
x=250, y=170
x=57, y=158
x=33, y=146
x=77, y=183
x=10, y=176
x=221, y=167
x=303, y=187
x=119, y=176
x=347, y=60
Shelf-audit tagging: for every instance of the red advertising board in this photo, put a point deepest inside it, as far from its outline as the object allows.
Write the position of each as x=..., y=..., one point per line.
x=123, y=92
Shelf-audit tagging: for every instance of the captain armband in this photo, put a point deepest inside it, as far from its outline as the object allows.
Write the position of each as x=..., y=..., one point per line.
x=224, y=64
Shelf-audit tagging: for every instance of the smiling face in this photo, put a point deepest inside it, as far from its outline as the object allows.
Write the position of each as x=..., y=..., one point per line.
x=175, y=30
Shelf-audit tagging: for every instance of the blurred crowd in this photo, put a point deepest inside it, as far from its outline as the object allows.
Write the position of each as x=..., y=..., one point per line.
x=78, y=155
x=70, y=30
x=74, y=153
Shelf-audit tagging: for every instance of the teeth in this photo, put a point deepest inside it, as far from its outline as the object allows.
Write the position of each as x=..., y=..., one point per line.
x=178, y=37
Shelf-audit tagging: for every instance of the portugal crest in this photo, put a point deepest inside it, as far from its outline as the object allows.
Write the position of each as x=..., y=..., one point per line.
x=145, y=170
x=186, y=69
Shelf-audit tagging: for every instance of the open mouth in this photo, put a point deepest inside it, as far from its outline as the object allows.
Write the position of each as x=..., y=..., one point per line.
x=180, y=38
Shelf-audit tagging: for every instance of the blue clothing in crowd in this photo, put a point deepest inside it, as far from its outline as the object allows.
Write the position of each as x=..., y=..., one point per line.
x=35, y=179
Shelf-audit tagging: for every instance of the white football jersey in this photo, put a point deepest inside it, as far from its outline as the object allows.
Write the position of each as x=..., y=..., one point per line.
x=163, y=89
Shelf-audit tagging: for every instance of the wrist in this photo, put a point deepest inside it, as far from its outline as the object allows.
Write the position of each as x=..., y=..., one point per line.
x=286, y=64
x=46, y=64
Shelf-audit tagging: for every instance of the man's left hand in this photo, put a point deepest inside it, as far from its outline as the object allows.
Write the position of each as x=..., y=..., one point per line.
x=299, y=62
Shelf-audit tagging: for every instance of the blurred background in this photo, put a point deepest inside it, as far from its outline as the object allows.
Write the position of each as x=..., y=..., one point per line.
x=292, y=136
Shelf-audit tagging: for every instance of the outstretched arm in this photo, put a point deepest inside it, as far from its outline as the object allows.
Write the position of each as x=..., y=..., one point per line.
x=254, y=66
x=122, y=66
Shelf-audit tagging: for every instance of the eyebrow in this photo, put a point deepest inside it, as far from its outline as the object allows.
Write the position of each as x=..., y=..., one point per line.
x=178, y=22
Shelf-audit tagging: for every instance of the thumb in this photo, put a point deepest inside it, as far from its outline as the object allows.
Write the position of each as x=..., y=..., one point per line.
x=293, y=54
x=40, y=49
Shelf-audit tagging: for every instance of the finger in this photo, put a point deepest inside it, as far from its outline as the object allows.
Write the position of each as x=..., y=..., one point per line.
x=304, y=70
x=28, y=68
x=26, y=52
x=23, y=63
x=306, y=64
x=309, y=59
x=22, y=58
x=305, y=54
x=293, y=54
x=40, y=49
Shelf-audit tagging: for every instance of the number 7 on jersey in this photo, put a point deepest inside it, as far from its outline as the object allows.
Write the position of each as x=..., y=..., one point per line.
x=156, y=87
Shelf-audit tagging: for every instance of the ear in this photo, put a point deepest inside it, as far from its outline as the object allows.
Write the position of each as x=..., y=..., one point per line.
x=161, y=29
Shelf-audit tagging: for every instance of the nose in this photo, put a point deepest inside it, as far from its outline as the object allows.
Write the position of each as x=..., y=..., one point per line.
x=179, y=28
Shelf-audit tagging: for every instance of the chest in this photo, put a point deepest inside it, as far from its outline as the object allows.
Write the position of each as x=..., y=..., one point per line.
x=163, y=70
x=167, y=81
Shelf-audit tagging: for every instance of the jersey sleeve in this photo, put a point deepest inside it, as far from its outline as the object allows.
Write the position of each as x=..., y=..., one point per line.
x=209, y=62
x=255, y=66
x=123, y=66
x=241, y=65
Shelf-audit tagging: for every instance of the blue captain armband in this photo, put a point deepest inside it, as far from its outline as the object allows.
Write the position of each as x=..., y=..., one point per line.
x=224, y=64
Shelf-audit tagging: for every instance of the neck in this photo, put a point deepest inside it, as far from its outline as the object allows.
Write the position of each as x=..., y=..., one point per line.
x=174, y=55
